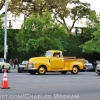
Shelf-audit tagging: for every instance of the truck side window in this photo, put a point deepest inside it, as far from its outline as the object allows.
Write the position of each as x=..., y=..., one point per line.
x=56, y=55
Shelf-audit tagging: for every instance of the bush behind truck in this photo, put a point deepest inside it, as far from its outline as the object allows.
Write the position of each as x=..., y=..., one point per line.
x=53, y=61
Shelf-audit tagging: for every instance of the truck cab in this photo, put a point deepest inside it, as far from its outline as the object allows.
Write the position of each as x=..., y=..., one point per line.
x=56, y=59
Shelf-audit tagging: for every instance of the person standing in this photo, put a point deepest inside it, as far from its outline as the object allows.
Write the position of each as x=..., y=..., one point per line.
x=11, y=62
x=15, y=62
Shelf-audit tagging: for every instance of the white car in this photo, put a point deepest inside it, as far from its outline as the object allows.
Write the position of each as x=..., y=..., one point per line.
x=4, y=65
x=97, y=70
x=22, y=66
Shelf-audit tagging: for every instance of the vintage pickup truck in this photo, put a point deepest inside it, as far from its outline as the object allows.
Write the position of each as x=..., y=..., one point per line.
x=53, y=61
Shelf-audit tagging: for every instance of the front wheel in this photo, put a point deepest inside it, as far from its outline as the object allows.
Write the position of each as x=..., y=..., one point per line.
x=42, y=70
x=75, y=70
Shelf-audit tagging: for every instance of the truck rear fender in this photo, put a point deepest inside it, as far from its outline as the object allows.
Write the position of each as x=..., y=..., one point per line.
x=78, y=64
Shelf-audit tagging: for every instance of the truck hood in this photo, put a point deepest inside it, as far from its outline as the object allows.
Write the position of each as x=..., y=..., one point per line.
x=38, y=59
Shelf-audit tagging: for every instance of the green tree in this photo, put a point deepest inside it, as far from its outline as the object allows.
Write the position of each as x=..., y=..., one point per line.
x=91, y=33
x=1, y=4
x=78, y=11
x=92, y=45
x=1, y=21
x=60, y=10
x=39, y=34
x=93, y=22
x=35, y=6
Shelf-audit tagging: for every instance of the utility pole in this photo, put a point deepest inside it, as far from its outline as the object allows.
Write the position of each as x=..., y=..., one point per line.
x=5, y=31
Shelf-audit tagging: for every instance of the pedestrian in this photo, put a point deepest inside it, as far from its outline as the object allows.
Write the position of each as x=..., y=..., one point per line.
x=11, y=62
x=15, y=62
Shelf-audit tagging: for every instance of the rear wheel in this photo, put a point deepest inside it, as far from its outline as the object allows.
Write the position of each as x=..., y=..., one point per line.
x=75, y=70
x=63, y=72
x=42, y=70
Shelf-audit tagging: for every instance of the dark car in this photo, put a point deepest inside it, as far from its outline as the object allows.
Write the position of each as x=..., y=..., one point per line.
x=21, y=66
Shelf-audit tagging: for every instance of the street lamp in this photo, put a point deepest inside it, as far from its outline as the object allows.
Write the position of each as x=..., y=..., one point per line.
x=5, y=31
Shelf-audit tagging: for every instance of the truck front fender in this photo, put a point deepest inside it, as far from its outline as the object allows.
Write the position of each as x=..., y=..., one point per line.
x=46, y=64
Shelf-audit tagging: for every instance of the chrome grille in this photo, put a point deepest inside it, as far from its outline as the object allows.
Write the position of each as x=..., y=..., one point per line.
x=30, y=65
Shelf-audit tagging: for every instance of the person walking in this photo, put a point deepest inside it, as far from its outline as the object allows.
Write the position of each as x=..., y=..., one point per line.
x=16, y=63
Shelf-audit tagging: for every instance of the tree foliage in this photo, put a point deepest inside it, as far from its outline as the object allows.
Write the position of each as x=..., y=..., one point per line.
x=92, y=45
x=1, y=21
x=39, y=34
x=1, y=4
x=93, y=22
x=11, y=42
x=78, y=11
x=59, y=8
x=1, y=34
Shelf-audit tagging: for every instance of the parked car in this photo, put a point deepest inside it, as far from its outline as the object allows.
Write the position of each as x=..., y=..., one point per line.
x=97, y=70
x=4, y=65
x=21, y=66
x=89, y=66
x=95, y=63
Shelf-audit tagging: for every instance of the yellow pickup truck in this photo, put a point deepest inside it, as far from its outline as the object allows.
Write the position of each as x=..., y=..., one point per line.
x=53, y=61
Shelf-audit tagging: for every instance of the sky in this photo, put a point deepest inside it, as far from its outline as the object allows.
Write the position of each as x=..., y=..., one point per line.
x=95, y=5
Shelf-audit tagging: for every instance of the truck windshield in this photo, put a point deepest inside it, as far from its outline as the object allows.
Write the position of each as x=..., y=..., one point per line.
x=48, y=54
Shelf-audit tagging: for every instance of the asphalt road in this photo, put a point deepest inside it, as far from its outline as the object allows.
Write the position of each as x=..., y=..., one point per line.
x=52, y=86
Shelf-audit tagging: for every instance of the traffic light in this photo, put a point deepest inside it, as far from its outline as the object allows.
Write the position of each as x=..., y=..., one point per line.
x=26, y=0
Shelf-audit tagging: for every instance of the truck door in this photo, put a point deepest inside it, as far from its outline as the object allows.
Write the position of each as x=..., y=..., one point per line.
x=57, y=62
